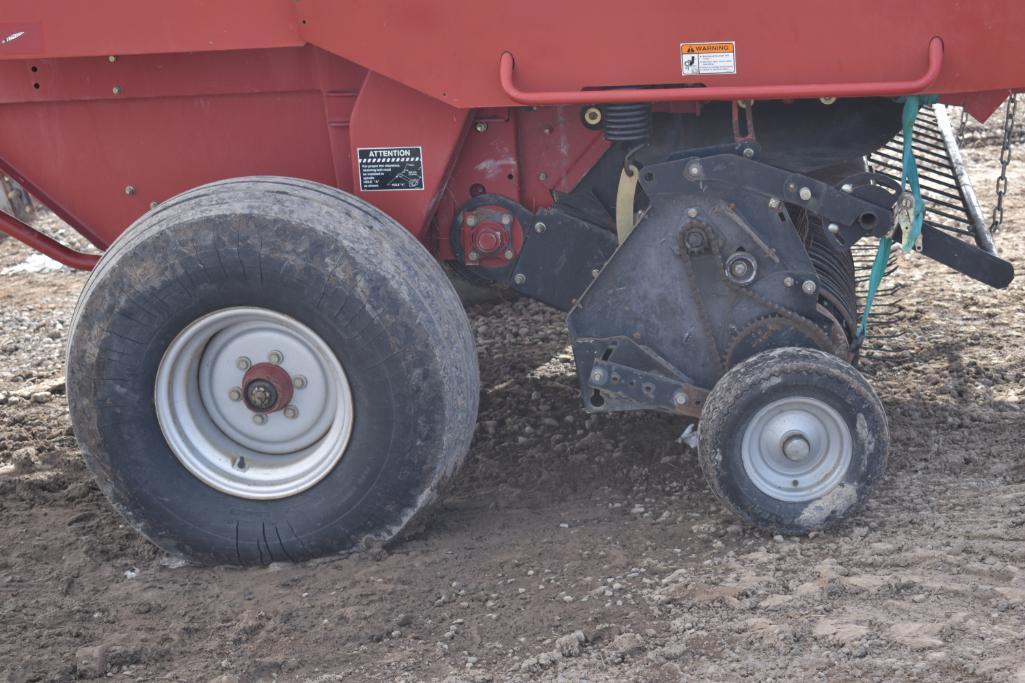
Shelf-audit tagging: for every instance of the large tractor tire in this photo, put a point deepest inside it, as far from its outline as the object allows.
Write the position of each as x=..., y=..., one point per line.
x=268, y=369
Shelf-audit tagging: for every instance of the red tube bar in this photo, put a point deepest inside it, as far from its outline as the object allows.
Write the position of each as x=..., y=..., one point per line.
x=740, y=92
x=47, y=245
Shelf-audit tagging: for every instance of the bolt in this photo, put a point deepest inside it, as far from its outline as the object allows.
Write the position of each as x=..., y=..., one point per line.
x=116, y=90
x=788, y=281
x=834, y=228
x=680, y=397
x=244, y=363
x=595, y=272
x=542, y=176
x=694, y=239
x=774, y=204
x=473, y=256
x=599, y=376
x=519, y=278
x=827, y=100
x=276, y=357
x=235, y=395
x=112, y=59
x=792, y=187
x=480, y=127
x=540, y=227
x=508, y=255
x=847, y=187
x=130, y=190
x=809, y=287
x=694, y=170
x=692, y=213
x=507, y=219
x=471, y=220
x=291, y=412
x=740, y=269
x=260, y=419
x=299, y=382
x=548, y=130
x=805, y=194
x=796, y=448
x=592, y=115
x=749, y=153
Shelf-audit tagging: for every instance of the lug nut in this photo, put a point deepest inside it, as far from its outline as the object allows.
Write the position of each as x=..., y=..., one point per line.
x=291, y=412
x=808, y=287
x=243, y=363
x=299, y=382
x=235, y=395
x=260, y=419
x=276, y=357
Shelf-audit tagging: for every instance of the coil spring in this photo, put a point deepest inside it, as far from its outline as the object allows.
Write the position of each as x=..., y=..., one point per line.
x=627, y=122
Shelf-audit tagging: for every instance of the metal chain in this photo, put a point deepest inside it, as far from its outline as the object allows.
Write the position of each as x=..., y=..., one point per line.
x=1005, y=158
x=961, y=127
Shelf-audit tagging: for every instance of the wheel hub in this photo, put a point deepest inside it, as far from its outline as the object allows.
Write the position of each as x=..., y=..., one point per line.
x=264, y=430
x=796, y=449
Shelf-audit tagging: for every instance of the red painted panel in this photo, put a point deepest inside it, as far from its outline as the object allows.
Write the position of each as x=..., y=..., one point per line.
x=86, y=154
x=388, y=114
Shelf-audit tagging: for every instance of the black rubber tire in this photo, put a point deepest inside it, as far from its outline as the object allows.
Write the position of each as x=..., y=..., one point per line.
x=334, y=263
x=769, y=376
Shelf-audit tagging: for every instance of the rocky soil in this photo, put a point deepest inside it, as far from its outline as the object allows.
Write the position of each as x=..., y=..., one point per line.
x=571, y=547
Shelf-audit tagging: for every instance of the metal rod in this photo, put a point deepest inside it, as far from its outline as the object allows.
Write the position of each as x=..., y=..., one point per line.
x=983, y=237
x=45, y=244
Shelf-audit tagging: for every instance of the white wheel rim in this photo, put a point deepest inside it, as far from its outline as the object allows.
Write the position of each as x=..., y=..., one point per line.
x=226, y=443
x=797, y=449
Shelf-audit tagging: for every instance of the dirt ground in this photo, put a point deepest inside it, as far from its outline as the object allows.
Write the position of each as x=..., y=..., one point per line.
x=571, y=547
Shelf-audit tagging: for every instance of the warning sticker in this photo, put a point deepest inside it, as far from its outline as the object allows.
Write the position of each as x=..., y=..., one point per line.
x=390, y=168
x=699, y=59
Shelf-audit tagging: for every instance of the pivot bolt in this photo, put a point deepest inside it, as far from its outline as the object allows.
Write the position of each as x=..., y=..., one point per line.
x=260, y=419
x=834, y=228
x=519, y=278
x=804, y=194
x=243, y=363
x=235, y=394
x=291, y=412
x=540, y=227
x=481, y=127
x=599, y=376
x=809, y=287
x=299, y=382
x=276, y=357
x=680, y=397
x=796, y=448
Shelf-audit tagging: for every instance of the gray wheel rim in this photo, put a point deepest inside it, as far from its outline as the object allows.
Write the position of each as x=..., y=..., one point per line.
x=797, y=449
x=225, y=442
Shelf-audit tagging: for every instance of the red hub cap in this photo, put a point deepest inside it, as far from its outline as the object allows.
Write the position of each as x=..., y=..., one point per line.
x=266, y=388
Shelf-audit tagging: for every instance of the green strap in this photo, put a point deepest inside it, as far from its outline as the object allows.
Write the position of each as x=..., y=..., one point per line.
x=911, y=106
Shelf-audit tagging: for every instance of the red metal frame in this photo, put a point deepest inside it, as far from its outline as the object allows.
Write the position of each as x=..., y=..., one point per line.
x=105, y=111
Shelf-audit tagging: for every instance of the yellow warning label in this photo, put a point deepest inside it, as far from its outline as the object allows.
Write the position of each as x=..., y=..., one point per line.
x=699, y=48
x=700, y=59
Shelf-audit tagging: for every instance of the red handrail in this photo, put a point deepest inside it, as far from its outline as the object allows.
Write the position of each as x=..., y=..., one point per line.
x=739, y=92
x=49, y=246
